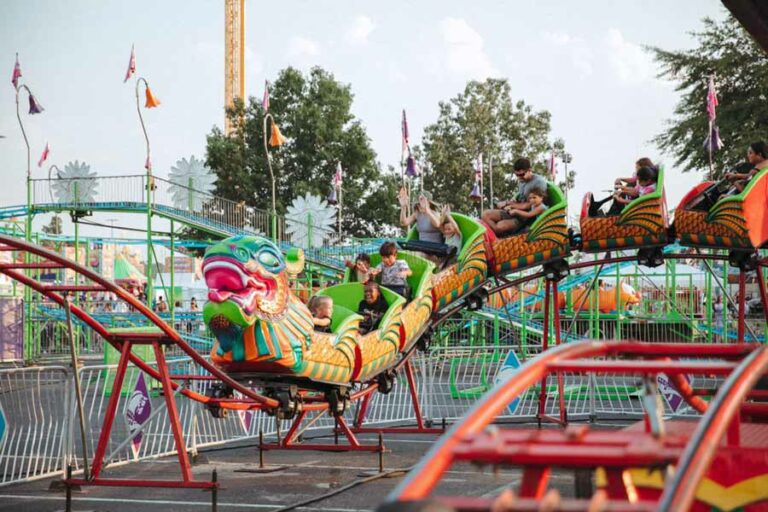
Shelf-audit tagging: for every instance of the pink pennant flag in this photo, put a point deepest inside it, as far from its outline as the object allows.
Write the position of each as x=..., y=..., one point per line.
x=712, y=102
x=44, y=156
x=265, y=99
x=406, y=140
x=16, y=73
x=131, y=65
x=148, y=163
x=337, y=177
x=552, y=167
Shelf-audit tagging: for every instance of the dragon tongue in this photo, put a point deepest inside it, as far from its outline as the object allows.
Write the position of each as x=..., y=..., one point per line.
x=219, y=295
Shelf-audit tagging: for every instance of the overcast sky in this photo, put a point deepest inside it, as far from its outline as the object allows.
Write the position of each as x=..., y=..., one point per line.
x=581, y=60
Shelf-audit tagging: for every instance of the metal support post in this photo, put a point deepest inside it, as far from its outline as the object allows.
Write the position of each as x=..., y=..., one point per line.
x=742, y=305
x=149, y=291
x=109, y=418
x=173, y=414
x=78, y=392
x=544, y=346
x=171, y=297
x=560, y=377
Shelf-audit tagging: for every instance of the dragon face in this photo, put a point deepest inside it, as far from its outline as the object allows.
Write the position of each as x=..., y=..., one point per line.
x=246, y=283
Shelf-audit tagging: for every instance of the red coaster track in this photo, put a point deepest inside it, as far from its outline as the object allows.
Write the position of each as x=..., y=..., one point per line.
x=536, y=451
x=38, y=258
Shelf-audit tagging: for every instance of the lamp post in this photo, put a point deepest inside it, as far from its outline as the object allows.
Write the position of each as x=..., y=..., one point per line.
x=34, y=108
x=275, y=139
x=150, y=102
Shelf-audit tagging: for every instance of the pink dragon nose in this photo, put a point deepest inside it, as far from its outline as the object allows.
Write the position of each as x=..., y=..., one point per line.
x=232, y=247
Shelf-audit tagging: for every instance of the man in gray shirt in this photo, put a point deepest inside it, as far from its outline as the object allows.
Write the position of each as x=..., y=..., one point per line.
x=500, y=221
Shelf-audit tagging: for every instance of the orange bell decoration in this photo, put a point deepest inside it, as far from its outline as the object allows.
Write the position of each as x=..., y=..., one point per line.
x=151, y=100
x=276, y=138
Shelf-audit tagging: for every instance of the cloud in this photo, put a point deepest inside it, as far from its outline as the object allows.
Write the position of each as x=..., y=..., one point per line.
x=464, y=50
x=561, y=38
x=303, y=47
x=579, y=52
x=360, y=30
x=629, y=61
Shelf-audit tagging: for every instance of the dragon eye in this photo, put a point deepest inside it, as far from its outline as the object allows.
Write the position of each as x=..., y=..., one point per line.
x=268, y=259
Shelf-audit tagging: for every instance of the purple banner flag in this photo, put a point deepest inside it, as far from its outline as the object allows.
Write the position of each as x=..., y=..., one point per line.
x=246, y=419
x=671, y=396
x=137, y=412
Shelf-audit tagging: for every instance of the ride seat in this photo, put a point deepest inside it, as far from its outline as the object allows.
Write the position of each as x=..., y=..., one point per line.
x=347, y=296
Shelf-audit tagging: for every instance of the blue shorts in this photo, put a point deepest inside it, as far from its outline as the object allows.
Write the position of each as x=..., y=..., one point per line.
x=400, y=289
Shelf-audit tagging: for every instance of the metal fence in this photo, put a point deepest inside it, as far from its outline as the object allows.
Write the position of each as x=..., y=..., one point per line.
x=197, y=209
x=467, y=357
x=34, y=422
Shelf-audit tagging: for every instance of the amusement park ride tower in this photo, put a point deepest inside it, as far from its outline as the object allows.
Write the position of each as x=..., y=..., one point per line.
x=234, y=55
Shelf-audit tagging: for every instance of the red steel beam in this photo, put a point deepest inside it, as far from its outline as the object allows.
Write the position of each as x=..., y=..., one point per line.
x=694, y=350
x=694, y=463
x=74, y=288
x=471, y=504
x=425, y=475
x=624, y=366
x=33, y=265
x=122, y=294
x=119, y=482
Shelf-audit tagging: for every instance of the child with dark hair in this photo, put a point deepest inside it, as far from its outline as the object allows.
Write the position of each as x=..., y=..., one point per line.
x=371, y=308
x=500, y=220
x=632, y=180
x=361, y=266
x=536, y=199
x=646, y=184
x=393, y=271
x=321, y=308
x=449, y=228
x=757, y=156
x=626, y=185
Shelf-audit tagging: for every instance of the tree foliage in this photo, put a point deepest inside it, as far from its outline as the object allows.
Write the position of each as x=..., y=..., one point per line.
x=482, y=119
x=741, y=74
x=314, y=112
x=54, y=227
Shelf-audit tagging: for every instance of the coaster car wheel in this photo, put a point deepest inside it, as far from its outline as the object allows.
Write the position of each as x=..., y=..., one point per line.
x=218, y=391
x=386, y=381
x=290, y=402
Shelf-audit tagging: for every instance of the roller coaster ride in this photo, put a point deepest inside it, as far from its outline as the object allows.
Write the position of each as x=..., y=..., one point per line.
x=268, y=357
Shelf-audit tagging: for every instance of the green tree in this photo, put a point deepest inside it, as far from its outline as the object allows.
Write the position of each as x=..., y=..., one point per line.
x=741, y=73
x=482, y=119
x=314, y=113
x=54, y=227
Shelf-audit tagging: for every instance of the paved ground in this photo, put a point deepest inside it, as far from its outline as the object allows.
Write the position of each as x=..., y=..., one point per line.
x=306, y=475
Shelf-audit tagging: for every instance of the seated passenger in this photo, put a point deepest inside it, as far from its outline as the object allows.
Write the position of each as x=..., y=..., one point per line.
x=321, y=308
x=393, y=271
x=451, y=233
x=426, y=219
x=361, y=266
x=630, y=181
x=371, y=308
x=757, y=156
x=646, y=184
x=537, y=206
x=499, y=220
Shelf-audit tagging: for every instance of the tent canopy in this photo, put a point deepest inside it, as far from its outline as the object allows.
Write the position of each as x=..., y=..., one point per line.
x=124, y=271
